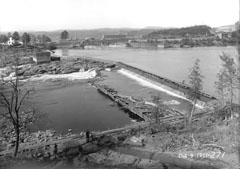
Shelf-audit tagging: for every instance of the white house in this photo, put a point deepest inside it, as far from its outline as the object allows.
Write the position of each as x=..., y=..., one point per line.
x=10, y=41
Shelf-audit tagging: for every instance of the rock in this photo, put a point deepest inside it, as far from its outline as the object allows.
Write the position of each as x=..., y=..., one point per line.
x=42, y=71
x=89, y=148
x=103, y=140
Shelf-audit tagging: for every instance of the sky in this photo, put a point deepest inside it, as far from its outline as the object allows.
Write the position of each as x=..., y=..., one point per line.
x=45, y=15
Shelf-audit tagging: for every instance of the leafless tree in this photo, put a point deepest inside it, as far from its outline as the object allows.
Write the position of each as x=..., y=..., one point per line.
x=12, y=98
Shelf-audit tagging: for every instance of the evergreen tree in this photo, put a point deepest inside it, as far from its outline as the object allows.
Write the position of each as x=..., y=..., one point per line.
x=3, y=38
x=195, y=80
x=64, y=35
x=25, y=38
x=15, y=36
x=227, y=80
x=45, y=39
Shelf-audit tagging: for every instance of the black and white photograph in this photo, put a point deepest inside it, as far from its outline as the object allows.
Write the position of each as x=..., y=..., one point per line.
x=119, y=84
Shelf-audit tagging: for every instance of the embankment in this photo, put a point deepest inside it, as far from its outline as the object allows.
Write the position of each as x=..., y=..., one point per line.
x=171, y=87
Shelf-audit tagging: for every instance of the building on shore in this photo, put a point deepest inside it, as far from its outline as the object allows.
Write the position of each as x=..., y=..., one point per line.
x=224, y=35
x=12, y=42
x=115, y=38
x=42, y=57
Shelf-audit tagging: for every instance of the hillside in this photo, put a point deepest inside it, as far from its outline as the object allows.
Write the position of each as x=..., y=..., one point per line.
x=145, y=31
x=86, y=33
x=150, y=31
x=200, y=30
x=98, y=33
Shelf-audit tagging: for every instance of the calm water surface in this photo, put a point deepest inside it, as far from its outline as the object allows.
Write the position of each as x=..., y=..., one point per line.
x=171, y=63
x=77, y=107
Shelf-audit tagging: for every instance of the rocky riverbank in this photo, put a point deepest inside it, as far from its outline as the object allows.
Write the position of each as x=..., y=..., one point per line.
x=65, y=66
x=141, y=149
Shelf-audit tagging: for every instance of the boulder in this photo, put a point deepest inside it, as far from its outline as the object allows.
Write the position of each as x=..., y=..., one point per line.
x=106, y=140
x=89, y=148
x=42, y=71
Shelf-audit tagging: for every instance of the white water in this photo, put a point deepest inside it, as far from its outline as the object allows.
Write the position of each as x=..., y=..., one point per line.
x=71, y=76
x=144, y=82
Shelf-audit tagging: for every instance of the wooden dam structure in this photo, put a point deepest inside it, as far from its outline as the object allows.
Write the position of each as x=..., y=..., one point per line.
x=182, y=88
x=136, y=107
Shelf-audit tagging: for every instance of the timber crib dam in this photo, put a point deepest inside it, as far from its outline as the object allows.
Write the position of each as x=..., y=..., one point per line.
x=177, y=87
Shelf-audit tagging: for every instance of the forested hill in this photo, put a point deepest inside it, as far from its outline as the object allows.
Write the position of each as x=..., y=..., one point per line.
x=201, y=30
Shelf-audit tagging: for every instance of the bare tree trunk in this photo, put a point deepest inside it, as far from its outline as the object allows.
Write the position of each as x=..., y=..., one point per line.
x=17, y=132
x=191, y=114
x=190, y=121
x=231, y=100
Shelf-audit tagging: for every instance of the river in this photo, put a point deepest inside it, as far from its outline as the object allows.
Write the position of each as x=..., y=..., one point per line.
x=170, y=63
x=81, y=107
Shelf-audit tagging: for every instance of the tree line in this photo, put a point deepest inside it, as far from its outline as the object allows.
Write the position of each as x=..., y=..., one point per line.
x=29, y=38
x=26, y=38
x=201, y=30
